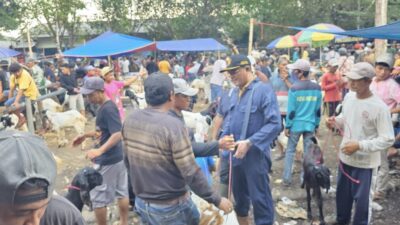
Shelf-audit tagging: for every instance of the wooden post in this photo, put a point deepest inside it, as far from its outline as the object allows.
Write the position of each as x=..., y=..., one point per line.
x=28, y=34
x=380, y=19
x=109, y=61
x=251, y=29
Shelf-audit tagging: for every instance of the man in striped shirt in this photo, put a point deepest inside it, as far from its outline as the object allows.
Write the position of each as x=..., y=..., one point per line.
x=161, y=161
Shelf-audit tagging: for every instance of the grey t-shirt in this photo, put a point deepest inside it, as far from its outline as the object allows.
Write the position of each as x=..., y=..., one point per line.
x=61, y=212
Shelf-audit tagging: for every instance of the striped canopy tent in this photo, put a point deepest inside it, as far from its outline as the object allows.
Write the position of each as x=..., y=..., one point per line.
x=317, y=39
x=287, y=41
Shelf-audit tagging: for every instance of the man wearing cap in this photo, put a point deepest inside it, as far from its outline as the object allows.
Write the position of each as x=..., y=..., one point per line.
x=388, y=90
x=303, y=114
x=69, y=82
x=254, y=121
x=367, y=130
x=27, y=178
x=161, y=161
x=182, y=97
x=25, y=87
x=332, y=84
x=112, y=87
x=108, y=154
x=37, y=75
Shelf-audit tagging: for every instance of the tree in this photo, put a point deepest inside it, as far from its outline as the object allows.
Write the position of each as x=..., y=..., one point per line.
x=9, y=14
x=57, y=17
x=117, y=14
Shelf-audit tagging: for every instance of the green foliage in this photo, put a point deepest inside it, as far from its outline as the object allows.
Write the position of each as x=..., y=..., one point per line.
x=117, y=15
x=9, y=14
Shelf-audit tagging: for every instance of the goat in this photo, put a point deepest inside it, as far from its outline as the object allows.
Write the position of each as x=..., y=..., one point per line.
x=51, y=105
x=57, y=121
x=199, y=123
x=316, y=175
x=79, y=190
x=210, y=111
x=9, y=121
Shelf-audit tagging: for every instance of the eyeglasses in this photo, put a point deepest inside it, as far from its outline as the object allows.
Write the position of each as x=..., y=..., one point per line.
x=233, y=72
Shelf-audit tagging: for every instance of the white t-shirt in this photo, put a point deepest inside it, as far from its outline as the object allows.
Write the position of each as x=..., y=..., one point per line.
x=125, y=66
x=217, y=77
x=367, y=121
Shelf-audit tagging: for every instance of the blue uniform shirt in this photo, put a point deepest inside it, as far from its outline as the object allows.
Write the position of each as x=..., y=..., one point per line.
x=265, y=120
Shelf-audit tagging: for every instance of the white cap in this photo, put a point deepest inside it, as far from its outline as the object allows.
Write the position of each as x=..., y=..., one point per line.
x=182, y=87
x=361, y=70
x=300, y=64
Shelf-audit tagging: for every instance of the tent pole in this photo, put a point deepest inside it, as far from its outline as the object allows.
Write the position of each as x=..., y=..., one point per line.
x=109, y=61
x=251, y=29
x=288, y=50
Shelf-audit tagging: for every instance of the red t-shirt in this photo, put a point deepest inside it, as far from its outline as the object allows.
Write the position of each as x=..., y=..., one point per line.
x=332, y=88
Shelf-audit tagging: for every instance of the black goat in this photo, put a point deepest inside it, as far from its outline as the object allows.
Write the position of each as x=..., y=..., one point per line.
x=316, y=175
x=79, y=190
x=5, y=122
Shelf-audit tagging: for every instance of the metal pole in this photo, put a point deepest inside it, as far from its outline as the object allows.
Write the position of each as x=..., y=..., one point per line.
x=29, y=115
x=251, y=29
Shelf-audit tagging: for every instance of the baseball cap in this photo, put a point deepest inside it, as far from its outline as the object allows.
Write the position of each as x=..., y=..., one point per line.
x=182, y=87
x=3, y=63
x=24, y=157
x=236, y=62
x=333, y=62
x=92, y=84
x=385, y=59
x=106, y=70
x=300, y=64
x=361, y=70
x=157, y=88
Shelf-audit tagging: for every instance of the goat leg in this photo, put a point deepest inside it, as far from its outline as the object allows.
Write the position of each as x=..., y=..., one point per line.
x=309, y=213
x=320, y=205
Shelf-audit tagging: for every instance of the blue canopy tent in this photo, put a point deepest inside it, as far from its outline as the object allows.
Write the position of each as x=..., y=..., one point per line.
x=390, y=31
x=110, y=44
x=6, y=53
x=191, y=45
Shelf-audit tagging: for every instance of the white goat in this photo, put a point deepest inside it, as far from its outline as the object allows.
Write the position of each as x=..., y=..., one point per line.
x=51, y=105
x=198, y=123
x=61, y=120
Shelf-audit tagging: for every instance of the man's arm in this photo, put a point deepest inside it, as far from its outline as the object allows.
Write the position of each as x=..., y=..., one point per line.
x=184, y=160
x=218, y=120
x=272, y=121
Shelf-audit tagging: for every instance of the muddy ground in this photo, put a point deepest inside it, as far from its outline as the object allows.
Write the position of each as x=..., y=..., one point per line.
x=73, y=159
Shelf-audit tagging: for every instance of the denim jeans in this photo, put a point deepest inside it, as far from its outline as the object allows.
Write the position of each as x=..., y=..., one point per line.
x=216, y=91
x=183, y=213
x=291, y=151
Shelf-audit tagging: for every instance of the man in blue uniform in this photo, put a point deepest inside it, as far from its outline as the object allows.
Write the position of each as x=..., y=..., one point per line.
x=254, y=121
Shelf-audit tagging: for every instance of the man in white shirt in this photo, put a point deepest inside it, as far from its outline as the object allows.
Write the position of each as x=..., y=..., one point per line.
x=217, y=78
x=125, y=66
x=367, y=130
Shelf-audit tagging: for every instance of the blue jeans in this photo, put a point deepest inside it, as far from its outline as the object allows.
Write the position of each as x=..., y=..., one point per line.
x=291, y=151
x=183, y=213
x=216, y=91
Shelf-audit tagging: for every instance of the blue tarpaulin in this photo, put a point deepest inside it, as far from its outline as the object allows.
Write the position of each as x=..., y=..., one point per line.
x=390, y=31
x=110, y=44
x=6, y=53
x=191, y=45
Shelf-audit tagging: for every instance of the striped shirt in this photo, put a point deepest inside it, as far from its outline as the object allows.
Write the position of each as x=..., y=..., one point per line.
x=160, y=158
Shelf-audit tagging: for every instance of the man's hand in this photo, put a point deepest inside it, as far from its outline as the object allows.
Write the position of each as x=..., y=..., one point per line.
x=242, y=148
x=78, y=140
x=225, y=205
x=351, y=147
x=16, y=104
x=330, y=122
x=287, y=132
x=227, y=143
x=93, y=153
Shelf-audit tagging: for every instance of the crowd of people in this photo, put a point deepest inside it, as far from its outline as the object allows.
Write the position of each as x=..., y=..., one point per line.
x=150, y=160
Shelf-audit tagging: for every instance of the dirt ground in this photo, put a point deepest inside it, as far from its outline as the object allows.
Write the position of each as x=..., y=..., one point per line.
x=73, y=159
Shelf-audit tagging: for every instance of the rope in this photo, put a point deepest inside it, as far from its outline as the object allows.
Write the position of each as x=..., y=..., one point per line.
x=341, y=132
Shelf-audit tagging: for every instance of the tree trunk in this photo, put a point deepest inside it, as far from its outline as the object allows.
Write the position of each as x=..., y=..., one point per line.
x=380, y=19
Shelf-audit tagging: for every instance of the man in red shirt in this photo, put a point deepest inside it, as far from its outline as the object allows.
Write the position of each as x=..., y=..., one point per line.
x=332, y=84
